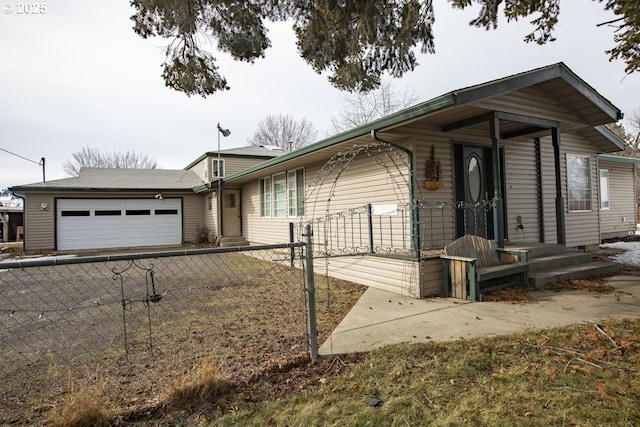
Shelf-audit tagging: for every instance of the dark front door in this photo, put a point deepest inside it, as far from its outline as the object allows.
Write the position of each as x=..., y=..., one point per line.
x=474, y=190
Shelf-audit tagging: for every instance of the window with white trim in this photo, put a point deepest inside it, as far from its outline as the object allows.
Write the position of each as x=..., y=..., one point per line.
x=217, y=165
x=604, y=189
x=578, y=183
x=295, y=191
x=265, y=197
x=282, y=195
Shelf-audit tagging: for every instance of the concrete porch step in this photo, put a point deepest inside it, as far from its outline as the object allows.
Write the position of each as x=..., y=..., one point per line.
x=226, y=242
x=567, y=259
x=584, y=271
x=538, y=250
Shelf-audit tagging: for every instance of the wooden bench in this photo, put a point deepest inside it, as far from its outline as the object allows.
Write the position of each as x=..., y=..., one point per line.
x=473, y=265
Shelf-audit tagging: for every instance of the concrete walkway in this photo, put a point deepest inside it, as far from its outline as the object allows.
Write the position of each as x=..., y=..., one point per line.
x=381, y=317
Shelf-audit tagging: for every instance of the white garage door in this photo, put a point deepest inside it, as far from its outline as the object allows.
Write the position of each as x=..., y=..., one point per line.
x=117, y=223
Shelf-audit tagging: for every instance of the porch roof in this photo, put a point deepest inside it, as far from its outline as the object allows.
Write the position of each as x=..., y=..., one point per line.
x=557, y=81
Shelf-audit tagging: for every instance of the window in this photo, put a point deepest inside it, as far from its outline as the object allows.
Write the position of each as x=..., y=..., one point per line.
x=284, y=193
x=295, y=189
x=265, y=197
x=604, y=189
x=109, y=213
x=578, y=182
x=138, y=212
x=217, y=163
x=229, y=200
x=75, y=213
x=280, y=195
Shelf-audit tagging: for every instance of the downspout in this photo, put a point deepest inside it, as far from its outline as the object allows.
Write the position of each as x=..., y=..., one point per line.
x=414, y=220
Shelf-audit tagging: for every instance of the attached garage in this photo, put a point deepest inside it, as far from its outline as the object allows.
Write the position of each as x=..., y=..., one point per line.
x=114, y=208
x=117, y=223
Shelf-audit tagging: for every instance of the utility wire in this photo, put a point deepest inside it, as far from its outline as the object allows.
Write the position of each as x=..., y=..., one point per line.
x=22, y=157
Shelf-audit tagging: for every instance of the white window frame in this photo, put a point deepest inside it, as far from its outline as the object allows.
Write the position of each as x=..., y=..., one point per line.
x=279, y=182
x=605, y=195
x=214, y=167
x=265, y=197
x=579, y=193
x=295, y=192
x=282, y=194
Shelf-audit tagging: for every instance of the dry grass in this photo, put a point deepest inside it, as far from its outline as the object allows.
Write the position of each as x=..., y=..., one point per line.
x=578, y=375
x=82, y=406
x=204, y=382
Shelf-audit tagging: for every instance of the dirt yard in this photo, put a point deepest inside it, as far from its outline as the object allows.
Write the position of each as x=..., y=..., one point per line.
x=214, y=346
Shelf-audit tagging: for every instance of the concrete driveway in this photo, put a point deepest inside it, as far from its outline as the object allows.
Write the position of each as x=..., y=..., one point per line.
x=382, y=317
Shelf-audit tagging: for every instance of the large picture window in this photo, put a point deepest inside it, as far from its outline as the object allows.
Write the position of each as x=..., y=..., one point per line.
x=578, y=183
x=282, y=195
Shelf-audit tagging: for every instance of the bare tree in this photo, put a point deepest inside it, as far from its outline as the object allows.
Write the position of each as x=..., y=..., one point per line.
x=94, y=157
x=633, y=138
x=283, y=131
x=364, y=107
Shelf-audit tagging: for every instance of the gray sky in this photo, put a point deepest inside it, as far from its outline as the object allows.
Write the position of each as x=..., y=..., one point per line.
x=78, y=76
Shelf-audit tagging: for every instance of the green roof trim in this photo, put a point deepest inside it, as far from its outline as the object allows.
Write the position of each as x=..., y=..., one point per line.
x=383, y=123
x=250, y=152
x=618, y=159
x=455, y=98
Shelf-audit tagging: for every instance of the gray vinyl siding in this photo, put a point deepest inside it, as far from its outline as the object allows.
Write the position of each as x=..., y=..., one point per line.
x=582, y=228
x=347, y=186
x=431, y=278
x=437, y=226
x=199, y=168
x=530, y=102
x=39, y=224
x=236, y=164
x=620, y=219
x=210, y=220
x=192, y=216
x=521, y=186
x=231, y=165
x=394, y=275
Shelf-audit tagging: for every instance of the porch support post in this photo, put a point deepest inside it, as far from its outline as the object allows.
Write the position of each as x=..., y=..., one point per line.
x=498, y=226
x=560, y=230
x=539, y=172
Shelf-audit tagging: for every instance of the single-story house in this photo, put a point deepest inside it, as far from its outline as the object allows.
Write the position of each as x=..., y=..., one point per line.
x=520, y=160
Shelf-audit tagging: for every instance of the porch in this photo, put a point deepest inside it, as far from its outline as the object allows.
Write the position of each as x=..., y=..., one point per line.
x=397, y=247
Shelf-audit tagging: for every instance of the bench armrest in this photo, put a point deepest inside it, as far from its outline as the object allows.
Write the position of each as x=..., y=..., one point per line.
x=458, y=258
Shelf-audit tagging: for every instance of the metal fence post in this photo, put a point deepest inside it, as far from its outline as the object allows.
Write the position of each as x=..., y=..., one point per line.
x=311, y=294
x=292, y=251
x=370, y=225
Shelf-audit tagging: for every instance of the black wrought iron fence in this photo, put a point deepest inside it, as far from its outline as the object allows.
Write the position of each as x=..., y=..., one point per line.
x=146, y=314
x=398, y=229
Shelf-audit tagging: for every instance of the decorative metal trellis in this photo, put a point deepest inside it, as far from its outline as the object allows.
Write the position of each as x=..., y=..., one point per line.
x=151, y=297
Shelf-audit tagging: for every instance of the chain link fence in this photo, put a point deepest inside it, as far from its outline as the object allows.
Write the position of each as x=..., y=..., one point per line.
x=132, y=321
